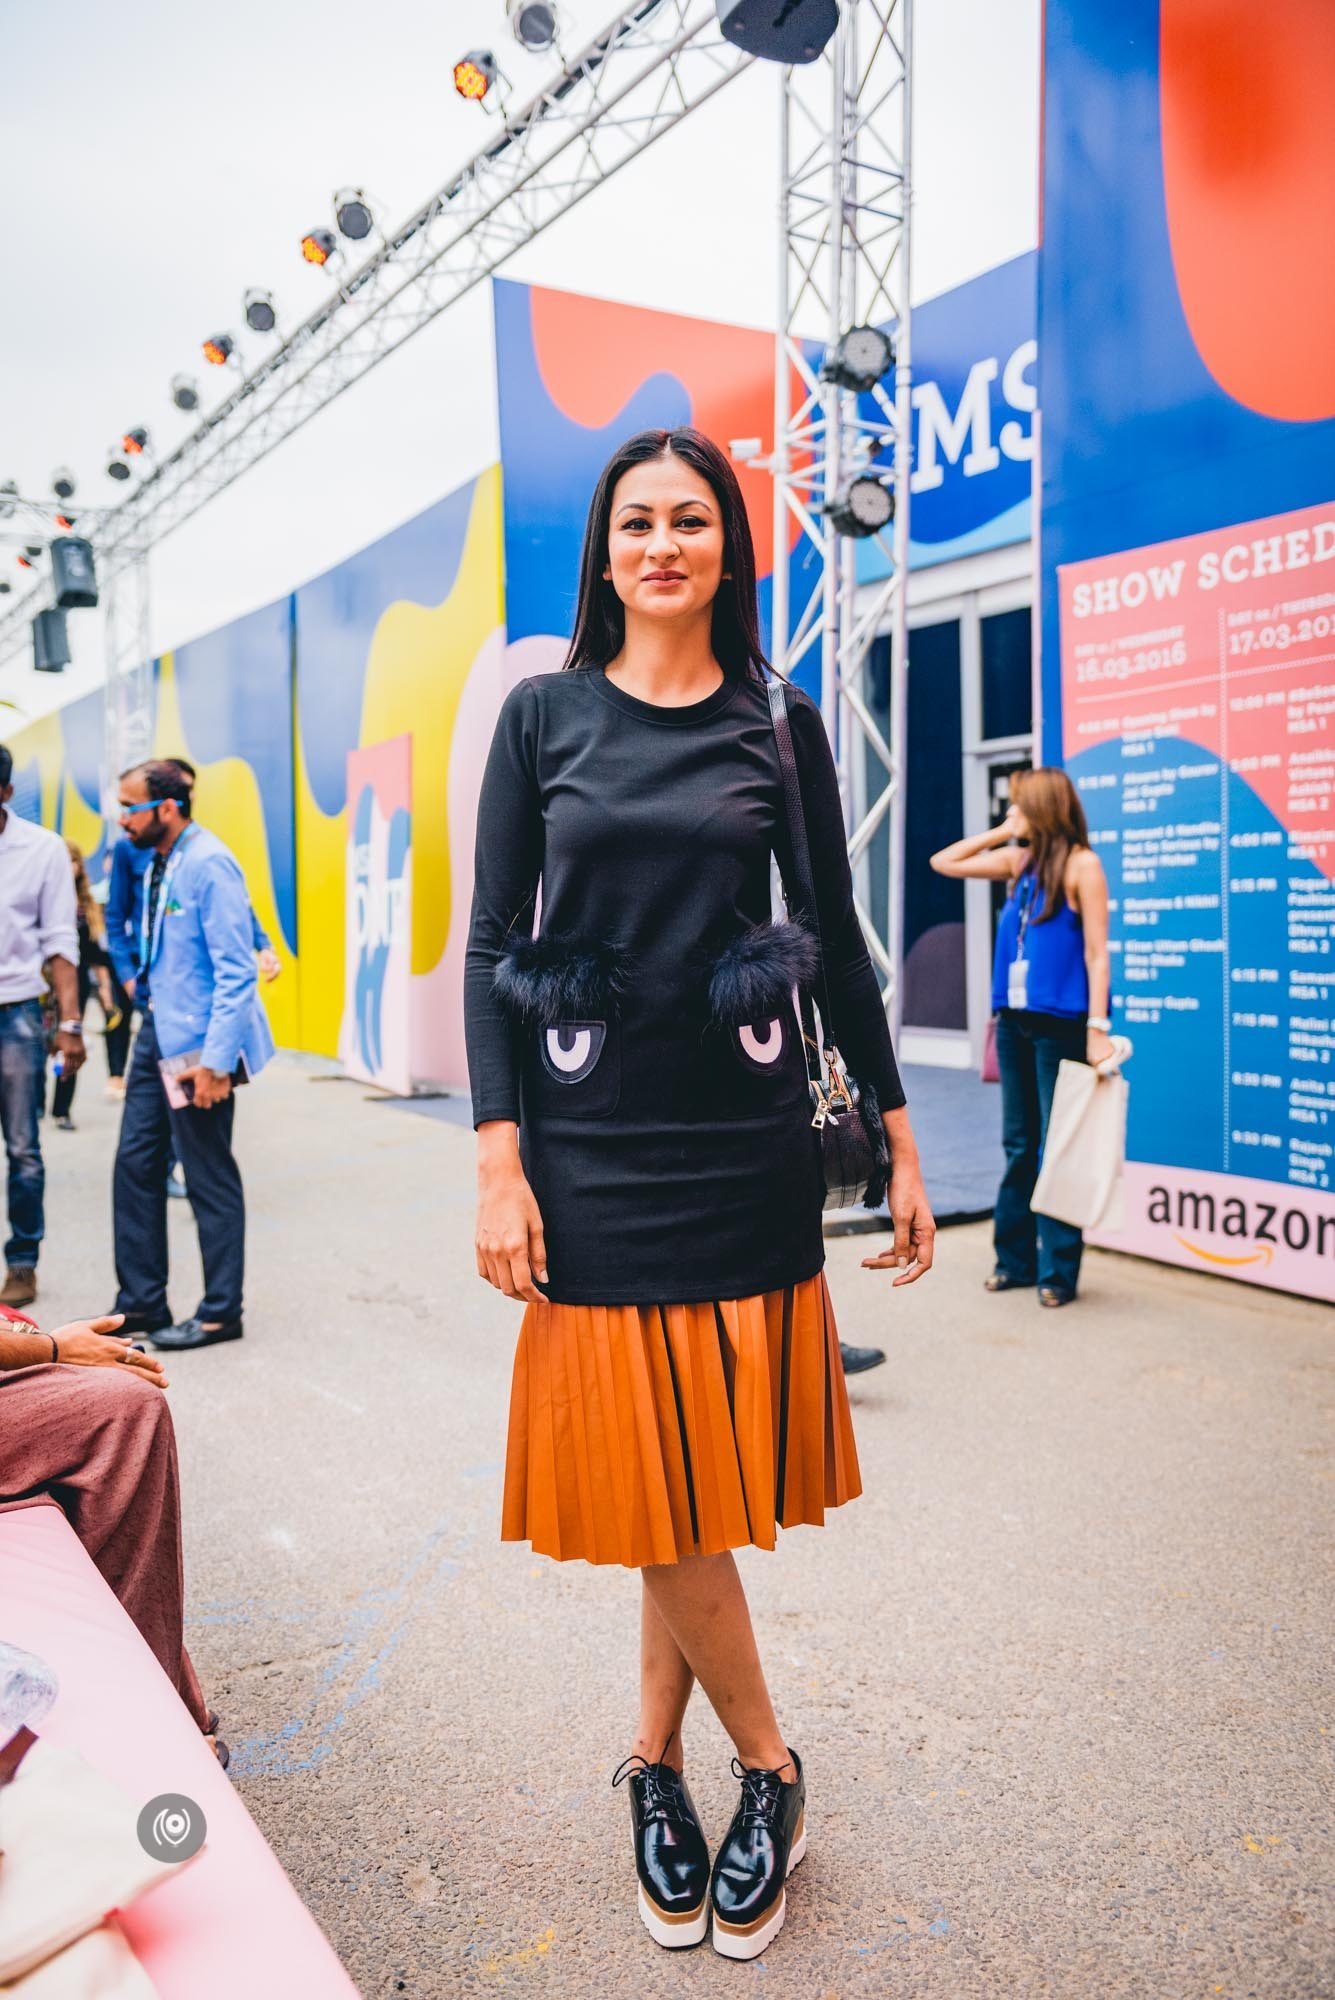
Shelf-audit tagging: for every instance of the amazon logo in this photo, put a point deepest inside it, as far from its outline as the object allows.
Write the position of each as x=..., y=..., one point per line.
x=1251, y=1230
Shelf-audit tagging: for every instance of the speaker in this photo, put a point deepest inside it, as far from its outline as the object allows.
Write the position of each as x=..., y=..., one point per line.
x=783, y=31
x=73, y=574
x=50, y=642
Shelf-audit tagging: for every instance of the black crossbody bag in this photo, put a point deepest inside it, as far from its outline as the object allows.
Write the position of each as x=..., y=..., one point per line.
x=855, y=1154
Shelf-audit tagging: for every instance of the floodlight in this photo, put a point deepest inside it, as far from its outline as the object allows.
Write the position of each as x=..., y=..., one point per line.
x=352, y=214
x=64, y=520
x=185, y=392
x=258, y=307
x=63, y=483
x=475, y=73
x=861, y=508
x=860, y=359
x=118, y=468
x=533, y=23
x=135, y=443
x=318, y=246
x=218, y=349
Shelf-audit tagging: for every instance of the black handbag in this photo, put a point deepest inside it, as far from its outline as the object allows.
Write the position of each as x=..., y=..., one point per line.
x=855, y=1153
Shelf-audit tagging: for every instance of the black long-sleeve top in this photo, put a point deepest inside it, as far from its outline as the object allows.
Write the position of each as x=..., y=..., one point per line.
x=628, y=1002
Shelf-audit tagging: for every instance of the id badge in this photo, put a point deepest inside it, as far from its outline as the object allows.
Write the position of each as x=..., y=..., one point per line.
x=1017, y=984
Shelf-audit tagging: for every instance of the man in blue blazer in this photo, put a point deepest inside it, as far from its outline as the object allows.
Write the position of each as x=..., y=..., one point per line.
x=203, y=1031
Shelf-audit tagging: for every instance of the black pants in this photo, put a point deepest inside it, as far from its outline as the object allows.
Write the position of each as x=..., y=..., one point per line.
x=203, y=1141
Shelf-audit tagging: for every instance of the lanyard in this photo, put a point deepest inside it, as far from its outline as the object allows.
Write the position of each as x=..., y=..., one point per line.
x=145, y=942
x=1025, y=901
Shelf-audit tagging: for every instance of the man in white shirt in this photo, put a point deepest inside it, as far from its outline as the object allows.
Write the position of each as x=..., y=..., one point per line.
x=37, y=923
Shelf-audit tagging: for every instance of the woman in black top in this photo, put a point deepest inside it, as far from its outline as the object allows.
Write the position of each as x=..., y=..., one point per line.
x=649, y=1178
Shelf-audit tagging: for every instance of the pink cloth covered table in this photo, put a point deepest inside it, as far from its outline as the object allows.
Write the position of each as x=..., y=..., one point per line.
x=231, y=1923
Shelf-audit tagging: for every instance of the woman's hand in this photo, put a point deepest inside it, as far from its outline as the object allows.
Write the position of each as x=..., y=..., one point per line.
x=1098, y=1046
x=511, y=1250
x=915, y=1231
x=84, y=1344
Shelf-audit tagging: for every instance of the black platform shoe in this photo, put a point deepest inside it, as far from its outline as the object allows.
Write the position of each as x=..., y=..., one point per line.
x=765, y=1842
x=671, y=1858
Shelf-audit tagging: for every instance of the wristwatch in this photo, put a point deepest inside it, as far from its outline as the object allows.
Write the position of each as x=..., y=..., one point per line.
x=70, y=1028
x=1099, y=1021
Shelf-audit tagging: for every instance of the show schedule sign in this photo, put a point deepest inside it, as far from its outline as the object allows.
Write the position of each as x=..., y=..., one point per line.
x=1198, y=720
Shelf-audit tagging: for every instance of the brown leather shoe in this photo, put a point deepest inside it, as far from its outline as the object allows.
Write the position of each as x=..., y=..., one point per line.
x=20, y=1286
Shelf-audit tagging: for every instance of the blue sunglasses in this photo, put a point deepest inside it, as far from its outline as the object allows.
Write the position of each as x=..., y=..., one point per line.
x=148, y=806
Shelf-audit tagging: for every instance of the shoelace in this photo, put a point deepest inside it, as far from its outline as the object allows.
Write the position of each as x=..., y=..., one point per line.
x=761, y=1793
x=662, y=1786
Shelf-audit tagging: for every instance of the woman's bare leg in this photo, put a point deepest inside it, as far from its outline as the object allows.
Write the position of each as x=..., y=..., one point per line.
x=702, y=1605
x=665, y=1688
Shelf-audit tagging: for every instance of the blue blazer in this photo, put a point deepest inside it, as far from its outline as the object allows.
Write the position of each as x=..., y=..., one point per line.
x=125, y=902
x=201, y=959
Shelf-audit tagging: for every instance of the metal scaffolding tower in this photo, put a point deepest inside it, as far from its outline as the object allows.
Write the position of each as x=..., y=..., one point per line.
x=844, y=262
x=128, y=705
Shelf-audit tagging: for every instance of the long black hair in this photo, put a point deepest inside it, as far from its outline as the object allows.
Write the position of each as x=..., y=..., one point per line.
x=600, y=616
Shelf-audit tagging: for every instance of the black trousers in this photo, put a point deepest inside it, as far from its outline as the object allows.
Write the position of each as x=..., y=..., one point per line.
x=203, y=1141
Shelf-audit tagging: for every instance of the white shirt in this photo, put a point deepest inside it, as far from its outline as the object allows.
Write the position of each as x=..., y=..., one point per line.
x=38, y=914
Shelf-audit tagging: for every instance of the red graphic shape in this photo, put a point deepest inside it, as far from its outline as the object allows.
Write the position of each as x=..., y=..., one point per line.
x=594, y=355
x=1247, y=107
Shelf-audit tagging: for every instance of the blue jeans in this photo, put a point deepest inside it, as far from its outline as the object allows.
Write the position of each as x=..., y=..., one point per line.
x=1032, y=1248
x=22, y=1090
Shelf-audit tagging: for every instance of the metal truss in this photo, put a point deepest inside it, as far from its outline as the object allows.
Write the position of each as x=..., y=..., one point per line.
x=128, y=704
x=844, y=262
x=652, y=65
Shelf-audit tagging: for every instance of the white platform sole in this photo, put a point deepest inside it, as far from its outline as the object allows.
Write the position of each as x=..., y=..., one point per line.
x=674, y=1935
x=750, y=1943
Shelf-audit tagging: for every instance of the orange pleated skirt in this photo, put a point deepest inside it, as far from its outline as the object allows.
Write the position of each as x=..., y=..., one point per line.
x=641, y=1434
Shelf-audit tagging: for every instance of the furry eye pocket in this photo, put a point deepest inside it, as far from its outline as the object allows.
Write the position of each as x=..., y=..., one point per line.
x=762, y=1043
x=571, y=1048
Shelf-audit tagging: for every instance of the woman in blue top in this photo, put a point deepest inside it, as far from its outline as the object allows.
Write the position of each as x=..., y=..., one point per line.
x=1050, y=993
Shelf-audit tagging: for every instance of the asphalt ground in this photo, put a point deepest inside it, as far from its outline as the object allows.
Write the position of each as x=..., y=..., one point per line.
x=1061, y=1679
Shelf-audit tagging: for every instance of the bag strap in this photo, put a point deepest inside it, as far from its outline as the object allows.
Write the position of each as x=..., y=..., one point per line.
x=807, y=905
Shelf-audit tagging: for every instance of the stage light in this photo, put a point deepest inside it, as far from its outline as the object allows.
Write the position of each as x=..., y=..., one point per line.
x=62, y=483
x=861, y=508
x=218, y=349
x=185, y=392
x=34, y=552
x=50, y=642
x=135, y=443
x=5, y=586
x=352, y=214
x=259, y=311
x=474, y=74
x=860, y=360
x=782, y=31
x=117, y=468
x=318, y=246
x=533, y=24
x=64, y=520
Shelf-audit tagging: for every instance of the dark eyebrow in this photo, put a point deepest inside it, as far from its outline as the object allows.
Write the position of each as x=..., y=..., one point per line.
x=644, y=507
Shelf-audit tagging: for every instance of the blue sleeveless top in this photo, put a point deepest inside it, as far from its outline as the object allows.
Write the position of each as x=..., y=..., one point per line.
x=1058, y=982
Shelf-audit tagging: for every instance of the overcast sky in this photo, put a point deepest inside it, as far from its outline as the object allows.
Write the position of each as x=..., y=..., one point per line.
x=173, y=155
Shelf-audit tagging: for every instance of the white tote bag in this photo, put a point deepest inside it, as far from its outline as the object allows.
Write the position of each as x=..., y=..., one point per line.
x=1080, y=1180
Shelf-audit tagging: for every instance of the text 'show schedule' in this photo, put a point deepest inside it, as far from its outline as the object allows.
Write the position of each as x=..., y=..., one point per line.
x=1198, y=688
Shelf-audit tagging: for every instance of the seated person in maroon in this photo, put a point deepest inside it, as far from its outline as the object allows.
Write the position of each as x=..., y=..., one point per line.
x=83, y=1424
